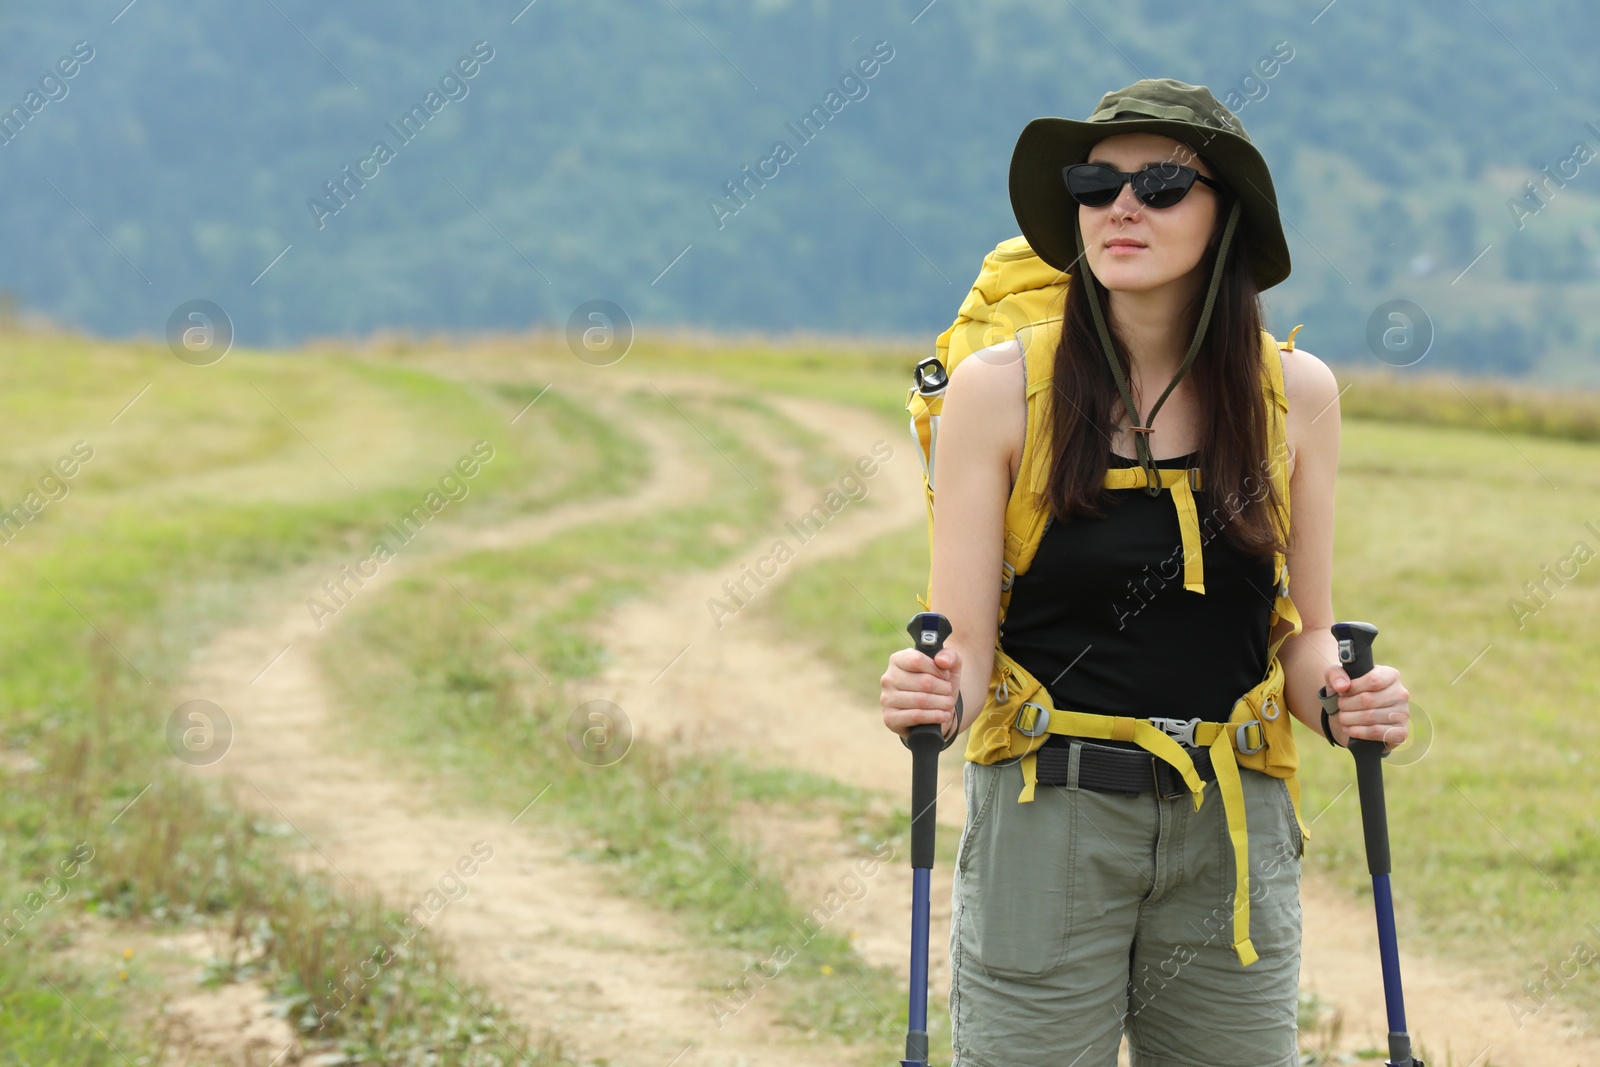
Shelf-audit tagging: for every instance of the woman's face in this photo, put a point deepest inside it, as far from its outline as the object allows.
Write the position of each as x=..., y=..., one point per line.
x=1131, y=247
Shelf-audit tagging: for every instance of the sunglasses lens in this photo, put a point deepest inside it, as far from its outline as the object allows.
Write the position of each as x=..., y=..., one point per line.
x=1092, y=184
x=1163, y=185
x=1164, y=197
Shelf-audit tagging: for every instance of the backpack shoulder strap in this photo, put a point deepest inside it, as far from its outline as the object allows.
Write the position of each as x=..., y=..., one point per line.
x=1279, y=733
x=1026, y=514
x=1272, y=365
x=1014, y=295
x=1278, y=468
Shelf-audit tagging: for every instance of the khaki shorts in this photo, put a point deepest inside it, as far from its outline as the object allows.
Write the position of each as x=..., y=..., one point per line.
x=1082, y=915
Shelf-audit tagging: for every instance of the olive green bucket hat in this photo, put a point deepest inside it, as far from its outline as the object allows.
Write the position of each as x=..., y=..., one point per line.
x=1049, y=216
x=1187, y=113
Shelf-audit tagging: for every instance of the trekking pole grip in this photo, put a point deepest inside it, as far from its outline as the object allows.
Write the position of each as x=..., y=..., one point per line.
x=928, y=631
x=1355, y=655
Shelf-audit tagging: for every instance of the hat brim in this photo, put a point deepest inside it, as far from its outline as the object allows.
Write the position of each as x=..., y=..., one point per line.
x=1048, y=214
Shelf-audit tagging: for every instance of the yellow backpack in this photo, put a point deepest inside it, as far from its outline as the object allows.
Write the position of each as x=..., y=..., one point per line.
x=1017, y=294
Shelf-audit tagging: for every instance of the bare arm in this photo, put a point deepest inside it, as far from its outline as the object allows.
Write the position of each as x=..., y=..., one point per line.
x=1374, y=706
x=980, y=432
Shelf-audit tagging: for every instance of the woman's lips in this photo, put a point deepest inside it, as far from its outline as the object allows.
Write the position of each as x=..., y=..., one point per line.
x=1124, y=249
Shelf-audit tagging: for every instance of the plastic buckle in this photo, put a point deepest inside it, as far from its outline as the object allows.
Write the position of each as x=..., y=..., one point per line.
x=1008, y=575
x=1271, y=702
x=1179, y=729
x=1041, y=721
x=1195, y=480
x=1239, y=741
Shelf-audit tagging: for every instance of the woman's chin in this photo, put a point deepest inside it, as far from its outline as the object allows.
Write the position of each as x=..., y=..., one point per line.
x=1118, y=278
x=1132, y=277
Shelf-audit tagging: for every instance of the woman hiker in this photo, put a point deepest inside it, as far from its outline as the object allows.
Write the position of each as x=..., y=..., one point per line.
x=1092, y=897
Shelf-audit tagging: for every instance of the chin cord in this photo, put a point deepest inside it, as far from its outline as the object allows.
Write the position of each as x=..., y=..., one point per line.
x=1142, y=431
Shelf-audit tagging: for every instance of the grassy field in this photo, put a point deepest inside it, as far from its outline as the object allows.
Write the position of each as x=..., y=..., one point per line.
x=189, y=489
x=216, y=483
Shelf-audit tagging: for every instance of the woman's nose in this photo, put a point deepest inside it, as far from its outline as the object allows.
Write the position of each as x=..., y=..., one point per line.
x=1126, y=204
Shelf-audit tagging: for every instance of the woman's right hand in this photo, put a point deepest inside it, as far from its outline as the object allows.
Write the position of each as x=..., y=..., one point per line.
x=916, y=689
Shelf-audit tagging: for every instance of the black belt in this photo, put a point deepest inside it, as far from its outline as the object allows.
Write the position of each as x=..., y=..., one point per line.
x=1105, y=769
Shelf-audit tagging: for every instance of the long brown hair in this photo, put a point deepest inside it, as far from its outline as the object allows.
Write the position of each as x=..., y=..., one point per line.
x=1238, y=497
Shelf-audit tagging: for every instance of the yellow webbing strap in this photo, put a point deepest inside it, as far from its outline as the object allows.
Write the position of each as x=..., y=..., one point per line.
x=1145, y=734
x=1217, y=736
x=923, y=411
x=1176, y=479
x=1232, y=790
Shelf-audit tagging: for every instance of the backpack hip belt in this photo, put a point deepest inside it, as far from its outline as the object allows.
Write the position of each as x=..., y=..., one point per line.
x=1019, y=716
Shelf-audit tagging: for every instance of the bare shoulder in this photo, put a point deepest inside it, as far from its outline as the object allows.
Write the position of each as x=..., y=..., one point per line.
x=1000, y=360
x=1307, y=381
x=1313, y=395
x=990, y=387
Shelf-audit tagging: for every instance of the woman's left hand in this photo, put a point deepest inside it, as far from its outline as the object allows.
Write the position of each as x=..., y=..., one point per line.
x=1373, y=707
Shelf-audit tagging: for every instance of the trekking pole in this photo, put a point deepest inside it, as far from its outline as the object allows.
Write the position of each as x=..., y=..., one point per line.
x=928, y=632
x=1355, y=655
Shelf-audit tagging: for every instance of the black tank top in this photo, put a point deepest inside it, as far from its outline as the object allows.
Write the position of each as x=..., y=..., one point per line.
x=1101, y=617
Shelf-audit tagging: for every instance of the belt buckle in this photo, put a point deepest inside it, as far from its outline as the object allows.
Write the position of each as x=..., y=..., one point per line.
x=1180, y=730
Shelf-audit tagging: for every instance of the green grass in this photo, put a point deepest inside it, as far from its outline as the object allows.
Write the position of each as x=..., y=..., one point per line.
x=1495, y=831
x=200, y=493
x=1510, y=407
x=862, y=374
x=856, y=632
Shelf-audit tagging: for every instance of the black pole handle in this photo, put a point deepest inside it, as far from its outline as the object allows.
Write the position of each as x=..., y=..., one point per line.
x=1355, y=655
x=928, y=631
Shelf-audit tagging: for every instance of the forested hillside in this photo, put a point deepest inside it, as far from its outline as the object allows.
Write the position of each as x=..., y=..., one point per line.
x=774, y=165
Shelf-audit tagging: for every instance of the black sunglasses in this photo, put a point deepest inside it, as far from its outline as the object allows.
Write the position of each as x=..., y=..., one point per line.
x=1157, y=185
